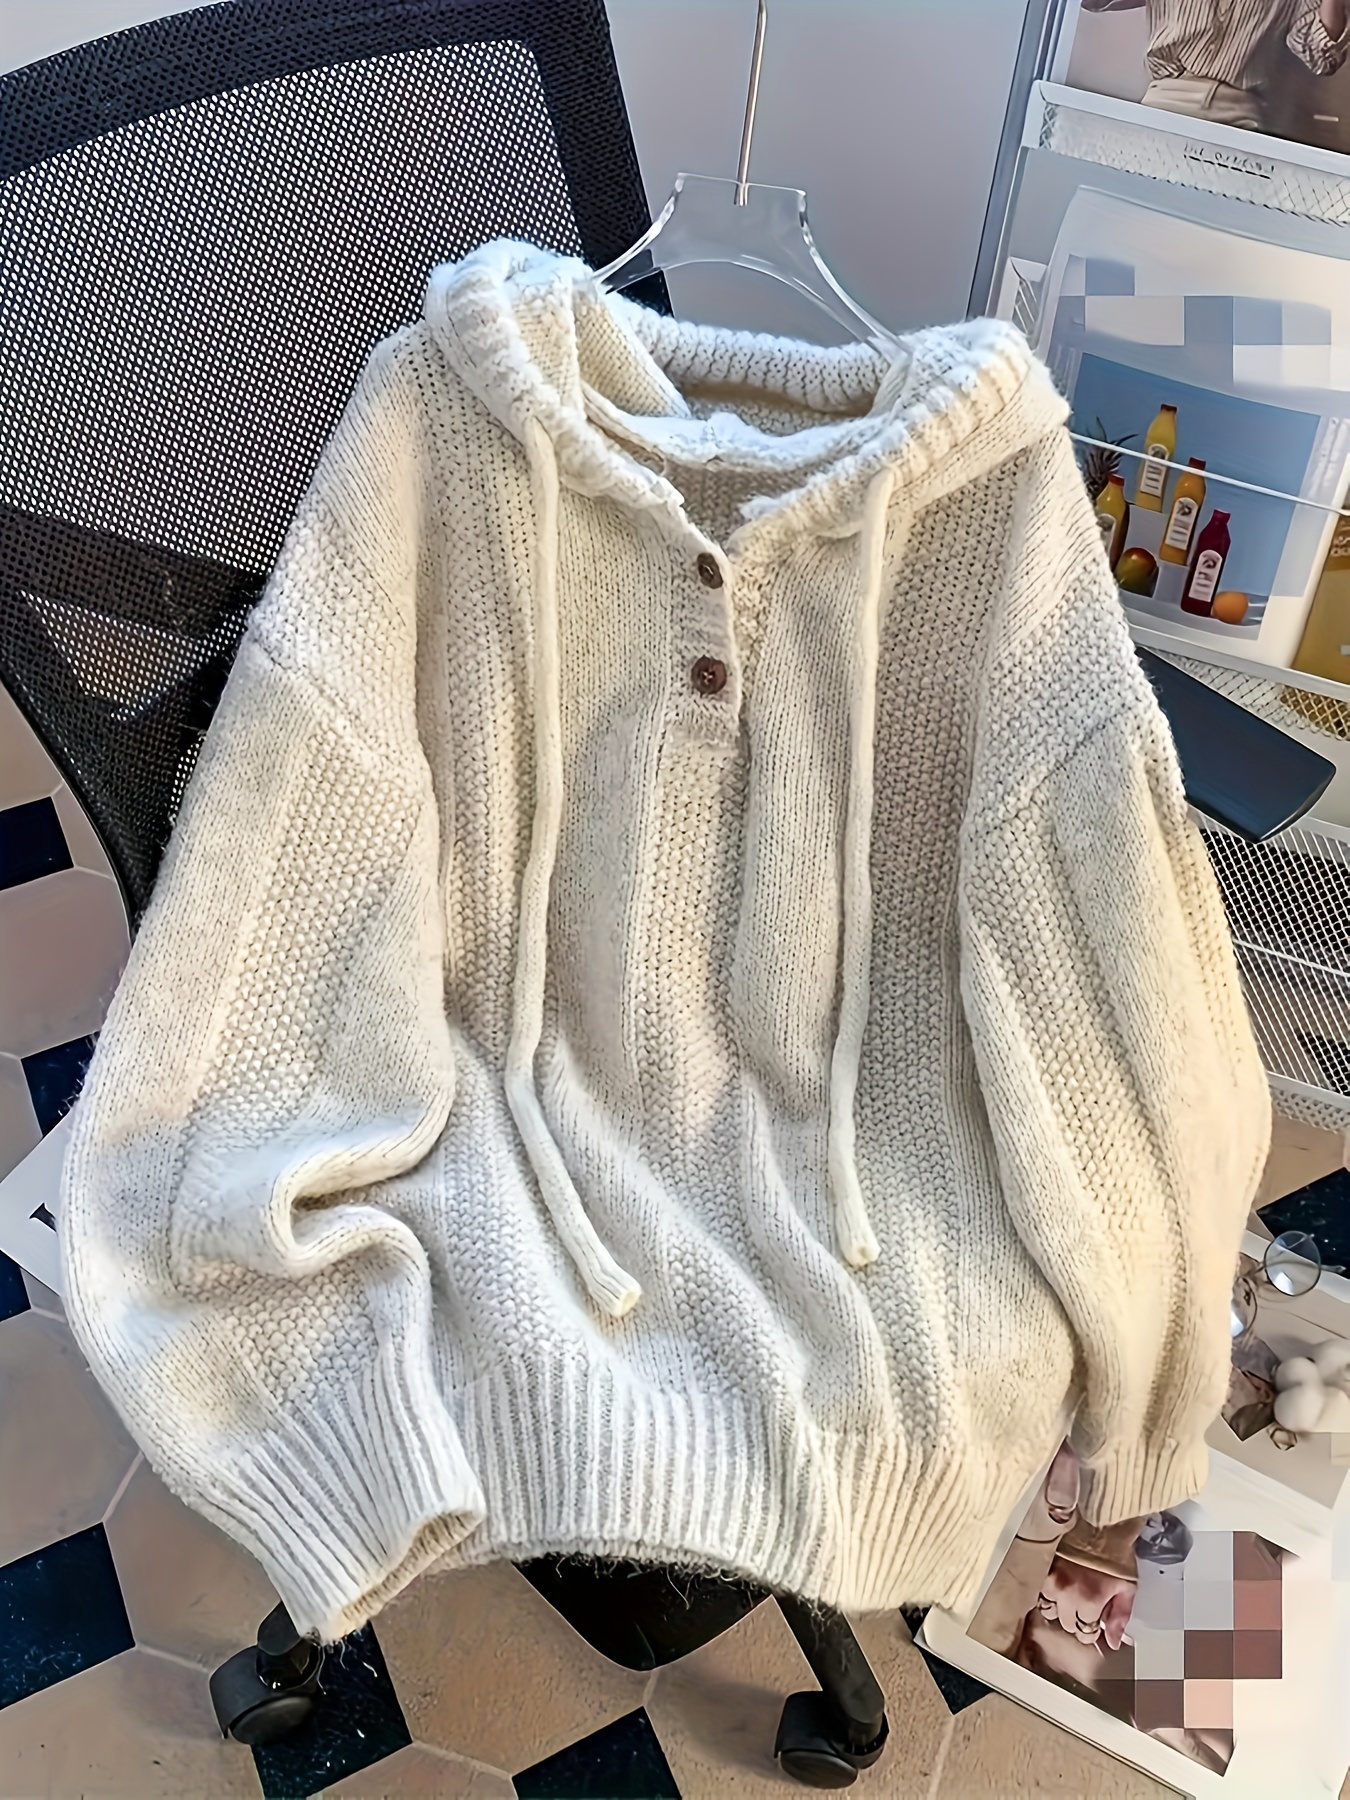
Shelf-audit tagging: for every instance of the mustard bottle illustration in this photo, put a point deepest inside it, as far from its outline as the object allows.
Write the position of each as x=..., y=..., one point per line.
x=1160, y=447
x=1186, y=504
x=1113, y=517
x=1325, y=646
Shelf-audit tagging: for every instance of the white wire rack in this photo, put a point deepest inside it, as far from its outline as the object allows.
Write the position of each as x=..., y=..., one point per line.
x=1288, y=903
x=1288, y=900
x=1292, y=178
x=1285, y=698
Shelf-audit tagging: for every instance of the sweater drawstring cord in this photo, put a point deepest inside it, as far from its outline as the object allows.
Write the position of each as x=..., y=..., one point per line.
x=613, y=1290
x=853, y=1229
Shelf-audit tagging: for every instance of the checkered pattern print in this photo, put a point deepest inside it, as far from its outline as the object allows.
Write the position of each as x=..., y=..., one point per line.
x=1201, y=1625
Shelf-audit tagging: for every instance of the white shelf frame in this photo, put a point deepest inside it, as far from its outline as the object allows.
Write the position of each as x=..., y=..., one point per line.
x=1252, y=152
x=1158, y=637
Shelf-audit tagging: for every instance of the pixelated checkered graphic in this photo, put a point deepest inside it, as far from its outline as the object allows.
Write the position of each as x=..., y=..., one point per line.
x=1202, y=1625
x=1230, y=340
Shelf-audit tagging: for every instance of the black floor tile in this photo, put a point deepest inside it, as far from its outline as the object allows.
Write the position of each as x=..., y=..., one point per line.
x=13, y=1293
x=623, y=1761
x=55, y=1077
x=358, y=1721
x=32, y=843
x=1322, y=1209
x=61, y=1611
x=958, y=1689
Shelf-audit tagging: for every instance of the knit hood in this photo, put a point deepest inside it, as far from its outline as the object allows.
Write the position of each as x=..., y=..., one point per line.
x=535, y=337
x=577, y=375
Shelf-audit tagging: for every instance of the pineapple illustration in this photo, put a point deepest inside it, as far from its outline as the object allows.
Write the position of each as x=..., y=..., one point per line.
x=1099, y=464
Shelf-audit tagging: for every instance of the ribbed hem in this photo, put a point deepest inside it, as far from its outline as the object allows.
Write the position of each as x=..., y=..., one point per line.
x=1131, y=1479
x=575, y=1461
x=351, y=1500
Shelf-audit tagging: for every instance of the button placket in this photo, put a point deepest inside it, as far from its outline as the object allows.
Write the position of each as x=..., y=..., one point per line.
x=708, y=674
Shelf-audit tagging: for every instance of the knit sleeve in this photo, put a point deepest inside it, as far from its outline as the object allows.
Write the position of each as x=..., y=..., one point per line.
x=1124, y=1090
x=237, y=1273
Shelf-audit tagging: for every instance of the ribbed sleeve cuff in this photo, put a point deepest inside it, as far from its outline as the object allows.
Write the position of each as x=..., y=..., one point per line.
x=1129, y=1480
x=346, y=1503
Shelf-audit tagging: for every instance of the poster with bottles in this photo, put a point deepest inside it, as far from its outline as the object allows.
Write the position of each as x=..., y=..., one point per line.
x=1168, y=531
x=1208, y=373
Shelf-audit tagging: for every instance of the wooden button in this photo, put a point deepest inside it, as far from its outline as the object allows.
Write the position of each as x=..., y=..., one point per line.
x=709, y=570
x=708, y=675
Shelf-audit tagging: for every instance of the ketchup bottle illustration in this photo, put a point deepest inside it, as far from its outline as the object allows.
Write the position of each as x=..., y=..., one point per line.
x=1211, y=553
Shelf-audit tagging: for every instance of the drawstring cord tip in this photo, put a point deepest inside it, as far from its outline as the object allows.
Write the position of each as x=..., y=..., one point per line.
x=859, y=1253
x=617, y=1298
x=853, y=1231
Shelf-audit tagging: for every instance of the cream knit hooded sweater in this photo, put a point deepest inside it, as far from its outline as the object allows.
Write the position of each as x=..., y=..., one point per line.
x=684, y=1016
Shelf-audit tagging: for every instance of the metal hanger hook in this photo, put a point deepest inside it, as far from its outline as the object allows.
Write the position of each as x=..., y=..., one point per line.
x=748, y=130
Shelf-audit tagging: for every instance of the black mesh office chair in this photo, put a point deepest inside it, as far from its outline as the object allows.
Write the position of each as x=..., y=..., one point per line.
x=205, y=225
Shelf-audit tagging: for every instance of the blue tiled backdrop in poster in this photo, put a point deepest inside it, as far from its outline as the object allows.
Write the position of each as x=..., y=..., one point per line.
x=1270, y=446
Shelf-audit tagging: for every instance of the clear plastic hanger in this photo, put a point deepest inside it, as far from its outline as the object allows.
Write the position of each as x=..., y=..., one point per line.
x=711, y=220
x=1252, y=778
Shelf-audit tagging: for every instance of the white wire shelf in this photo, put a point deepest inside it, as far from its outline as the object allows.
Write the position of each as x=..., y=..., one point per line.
x=1287, y=899
x=1282, y=697
x=1279, y=173
x=1216, y=663
x=1288, y=905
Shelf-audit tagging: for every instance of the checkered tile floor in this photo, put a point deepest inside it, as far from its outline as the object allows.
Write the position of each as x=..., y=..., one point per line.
x=116, y=1602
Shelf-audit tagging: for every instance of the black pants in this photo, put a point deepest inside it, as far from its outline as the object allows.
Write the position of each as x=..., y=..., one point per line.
x=642, y=1617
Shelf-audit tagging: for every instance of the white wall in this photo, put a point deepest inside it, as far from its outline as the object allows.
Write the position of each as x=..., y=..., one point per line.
x=887, y=111
x=30, y=29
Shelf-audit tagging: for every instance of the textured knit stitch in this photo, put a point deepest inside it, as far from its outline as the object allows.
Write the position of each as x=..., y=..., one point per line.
x=554, y=1107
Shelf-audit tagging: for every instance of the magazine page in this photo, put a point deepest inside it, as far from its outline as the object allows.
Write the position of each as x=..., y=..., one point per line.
x=1195, y=1646
x=1277, y=68
x=1209, y=376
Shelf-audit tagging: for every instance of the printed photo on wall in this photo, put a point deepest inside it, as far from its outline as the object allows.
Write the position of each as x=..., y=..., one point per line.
x=1151, y=1621
x=1273, y=66
x=1209, y=380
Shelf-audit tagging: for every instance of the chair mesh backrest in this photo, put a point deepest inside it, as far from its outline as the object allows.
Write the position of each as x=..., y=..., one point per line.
x=205, y=224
